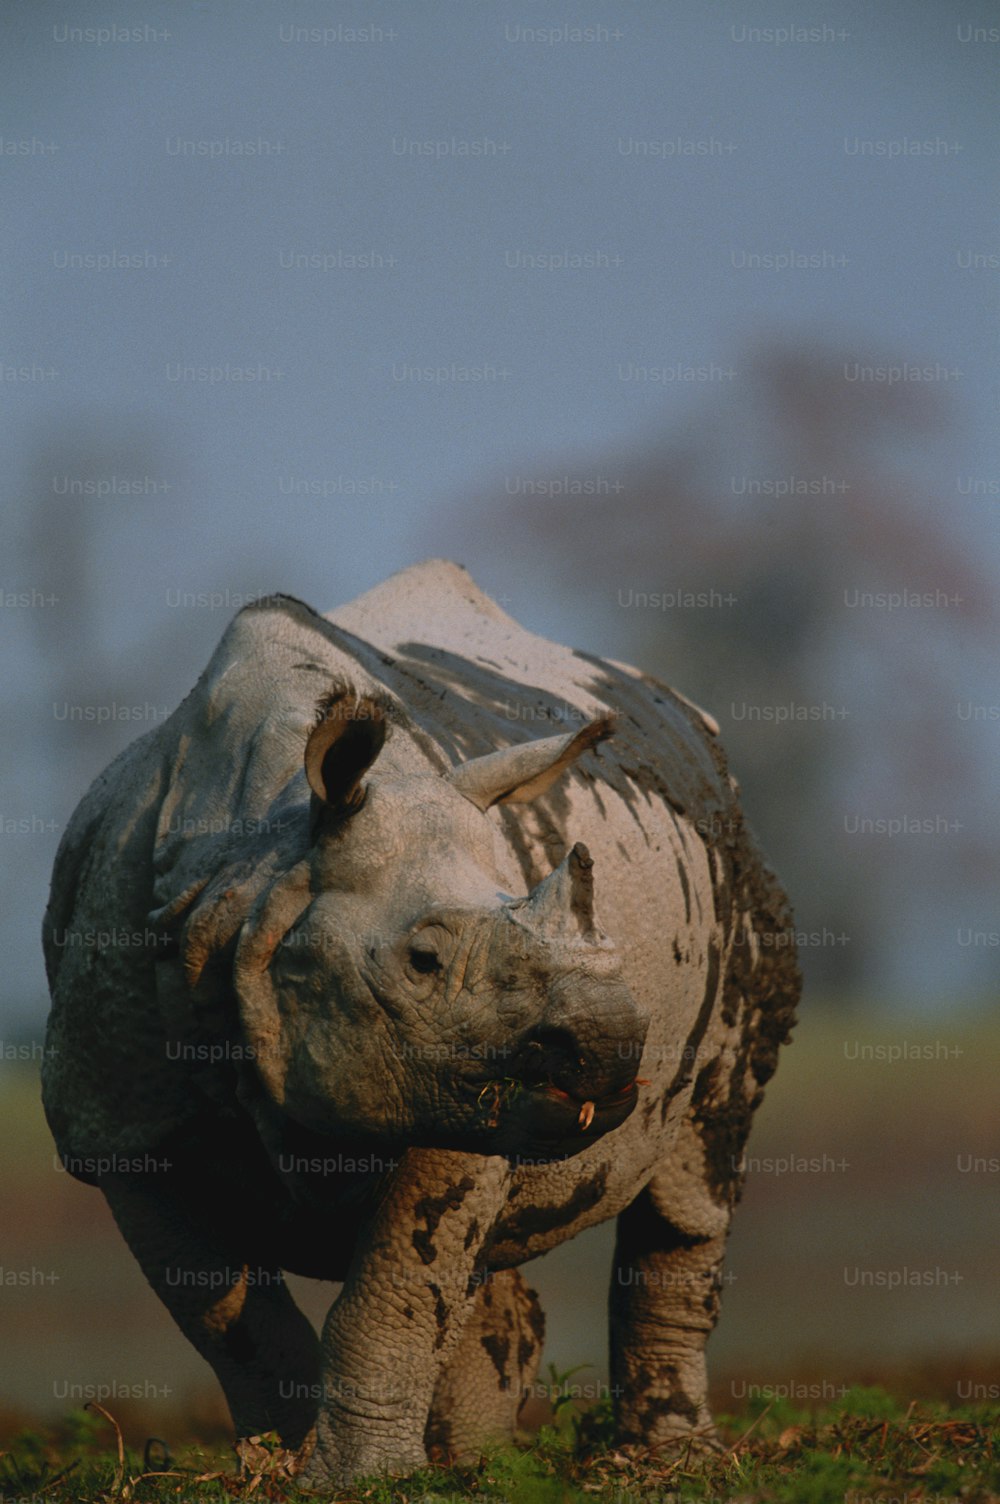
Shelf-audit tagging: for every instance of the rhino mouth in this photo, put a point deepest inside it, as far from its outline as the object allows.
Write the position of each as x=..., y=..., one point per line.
x=585, y=1115
x=556, y=1092
x=525, y=1111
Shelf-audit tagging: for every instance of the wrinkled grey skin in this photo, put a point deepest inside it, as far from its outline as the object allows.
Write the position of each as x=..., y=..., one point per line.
x=338, y=1002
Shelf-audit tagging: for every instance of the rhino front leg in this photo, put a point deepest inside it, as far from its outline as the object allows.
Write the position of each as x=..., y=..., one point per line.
x=490, y=1371
x=410, y=1289
x=240, y=1316
x=664, y=1304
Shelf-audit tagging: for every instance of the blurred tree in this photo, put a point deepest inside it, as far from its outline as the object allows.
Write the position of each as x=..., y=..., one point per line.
x=72, y=555
x=760, y=562
x=98, y=656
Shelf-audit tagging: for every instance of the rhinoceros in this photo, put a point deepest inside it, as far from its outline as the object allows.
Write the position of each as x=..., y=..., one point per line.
x=331, y=996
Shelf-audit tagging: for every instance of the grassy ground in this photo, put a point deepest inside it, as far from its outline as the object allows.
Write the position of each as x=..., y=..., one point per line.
x=866, y=1447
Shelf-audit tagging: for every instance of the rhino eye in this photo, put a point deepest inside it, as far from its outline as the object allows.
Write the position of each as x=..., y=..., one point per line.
x=425, y=961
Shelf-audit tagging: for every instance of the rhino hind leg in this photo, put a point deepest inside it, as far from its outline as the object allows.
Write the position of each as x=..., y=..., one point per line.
x=240, y=1317
x=671, y=1240
x=489, y=1373
x=664, y=1303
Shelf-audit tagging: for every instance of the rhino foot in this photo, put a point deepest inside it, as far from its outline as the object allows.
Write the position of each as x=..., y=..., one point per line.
x=338, y=1466
x=344, y=1447
x=675, y=1434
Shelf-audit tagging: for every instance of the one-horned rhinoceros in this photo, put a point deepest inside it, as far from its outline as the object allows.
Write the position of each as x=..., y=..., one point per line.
x=330, y=996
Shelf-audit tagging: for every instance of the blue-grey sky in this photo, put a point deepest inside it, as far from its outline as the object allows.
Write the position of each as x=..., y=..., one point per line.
x=237, y=236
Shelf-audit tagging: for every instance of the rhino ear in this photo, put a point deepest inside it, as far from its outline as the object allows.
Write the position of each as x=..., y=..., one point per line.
x=517, y=775
x=342, y=746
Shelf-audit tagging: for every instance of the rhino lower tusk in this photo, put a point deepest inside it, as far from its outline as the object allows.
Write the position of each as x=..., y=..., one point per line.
x=586, y=1117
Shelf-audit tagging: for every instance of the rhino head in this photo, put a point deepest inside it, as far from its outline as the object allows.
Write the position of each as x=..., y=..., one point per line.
x=394, y=987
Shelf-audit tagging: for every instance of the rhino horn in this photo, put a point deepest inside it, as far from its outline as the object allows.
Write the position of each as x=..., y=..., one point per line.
x=517, y=775
x=561, y=908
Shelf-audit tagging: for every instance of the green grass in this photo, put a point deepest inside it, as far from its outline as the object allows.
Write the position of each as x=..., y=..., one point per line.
x=867, y=1446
